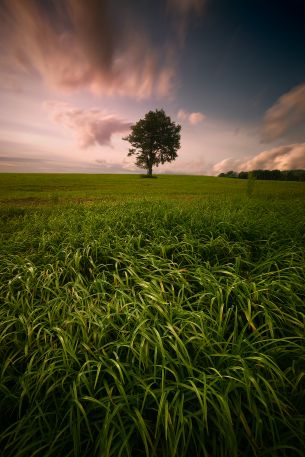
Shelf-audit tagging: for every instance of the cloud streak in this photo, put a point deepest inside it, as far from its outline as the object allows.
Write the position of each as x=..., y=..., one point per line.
x=19, y=159
x=181, y=10
x=91, y=127
x=76, y=44
x=289, y=157
x=285, y=115
x=185, y=7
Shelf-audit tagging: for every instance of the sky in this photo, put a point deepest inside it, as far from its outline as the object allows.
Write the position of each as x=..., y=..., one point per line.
x=76, y=74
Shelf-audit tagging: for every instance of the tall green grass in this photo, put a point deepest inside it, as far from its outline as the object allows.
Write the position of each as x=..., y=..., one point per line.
x=163, y=329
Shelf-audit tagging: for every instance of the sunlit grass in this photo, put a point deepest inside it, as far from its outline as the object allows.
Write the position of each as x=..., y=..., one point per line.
x=149, y=328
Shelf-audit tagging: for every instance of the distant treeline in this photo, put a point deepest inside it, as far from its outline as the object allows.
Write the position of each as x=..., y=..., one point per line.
x=278, y=175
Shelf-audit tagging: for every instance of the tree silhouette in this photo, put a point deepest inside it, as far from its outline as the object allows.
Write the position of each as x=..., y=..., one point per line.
x=154, y=140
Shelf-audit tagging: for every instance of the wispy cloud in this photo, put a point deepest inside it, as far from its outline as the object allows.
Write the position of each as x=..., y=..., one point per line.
x=20, y=159
x=185, y=167
x=91, y=127
x=117, y=167
x=75, y=44
x=181, y=10
x=191, y=118
x=186, y=6
x=287, y=113
x=287, y=157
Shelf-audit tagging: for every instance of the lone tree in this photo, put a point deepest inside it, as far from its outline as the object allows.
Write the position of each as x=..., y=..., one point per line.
x=154, y=140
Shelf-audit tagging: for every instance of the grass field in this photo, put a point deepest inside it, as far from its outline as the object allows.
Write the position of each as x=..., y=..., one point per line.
x=160, y=317
x=62, y=188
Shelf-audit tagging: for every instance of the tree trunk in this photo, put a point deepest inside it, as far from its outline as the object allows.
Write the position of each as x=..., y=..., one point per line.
x=149, y=163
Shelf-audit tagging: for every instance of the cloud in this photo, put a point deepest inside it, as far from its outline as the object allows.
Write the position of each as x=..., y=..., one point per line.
x=92, y=127
x=195, y=118
x=186, y=6
x=116, y=167
x=76, y=44
x=185, y=167
x=289, y=157
x=19, y=159
x=225, y=165
x=285, y=115
x=282, y=158
x=181, y=10
x=192, y=118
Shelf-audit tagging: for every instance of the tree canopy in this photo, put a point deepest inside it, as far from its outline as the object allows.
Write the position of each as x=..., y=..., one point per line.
x=277, y=175
x=154, y=140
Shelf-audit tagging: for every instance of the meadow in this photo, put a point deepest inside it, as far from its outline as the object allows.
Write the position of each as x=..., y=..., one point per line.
x=151, y=317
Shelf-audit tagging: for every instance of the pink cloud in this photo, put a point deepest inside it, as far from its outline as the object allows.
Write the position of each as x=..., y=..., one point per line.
x=166, y=81
x=225, y=165
x=289, y=157
x=185, y=167
x=287, y=113
x=192, y=118
x=86, y=45
x=195, y=118
x=91, y=127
